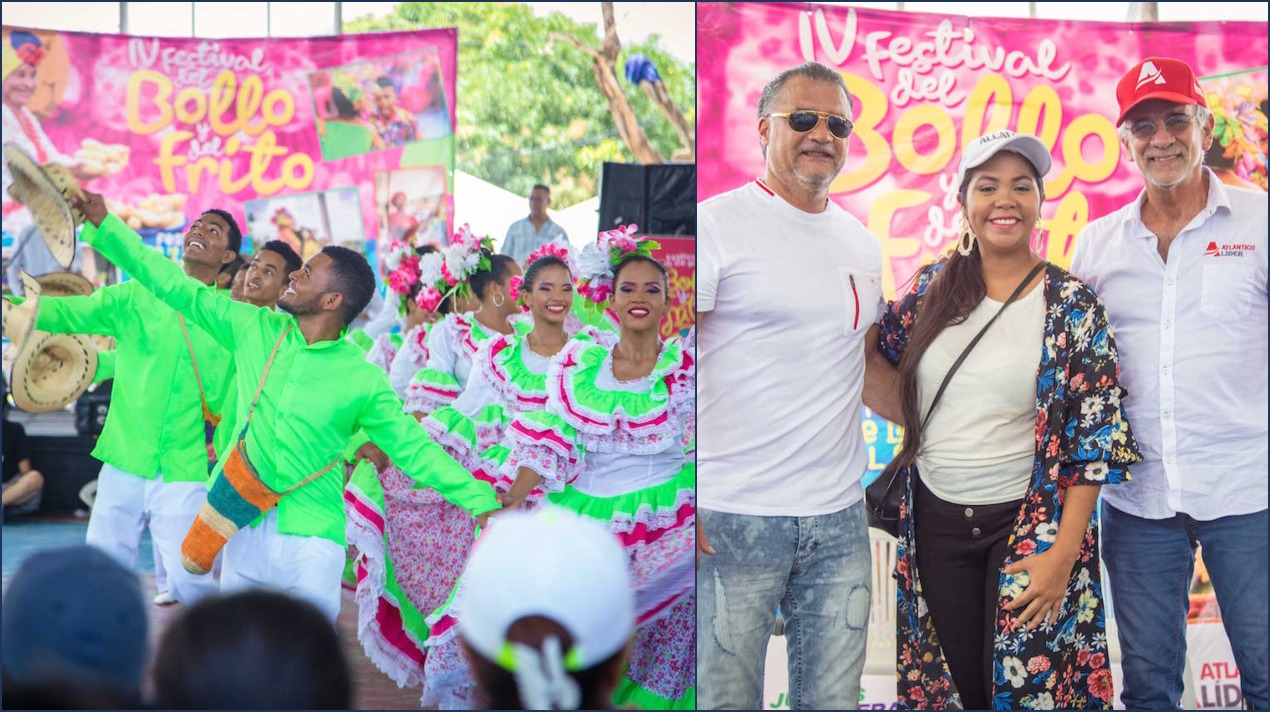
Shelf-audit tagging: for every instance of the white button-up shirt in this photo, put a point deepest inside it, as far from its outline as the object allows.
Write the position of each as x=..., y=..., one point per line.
x=1192, y=336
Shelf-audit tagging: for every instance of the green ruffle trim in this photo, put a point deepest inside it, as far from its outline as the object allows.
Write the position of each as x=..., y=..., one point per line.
x=362, y=339
x=493, y=415
x=437, y=378
x=495, y=455
x=628, y=694
x=660, y=497
x=455, y=425
x=512, y=361
x=580, y=383
x=395, y=339
x=366, y=481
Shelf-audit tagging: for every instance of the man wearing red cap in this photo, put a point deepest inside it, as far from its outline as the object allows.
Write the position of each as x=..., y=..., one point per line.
x=1182, y=271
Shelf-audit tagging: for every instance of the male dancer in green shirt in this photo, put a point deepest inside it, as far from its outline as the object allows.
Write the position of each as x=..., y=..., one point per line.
x=153, y=445
x=319, y=390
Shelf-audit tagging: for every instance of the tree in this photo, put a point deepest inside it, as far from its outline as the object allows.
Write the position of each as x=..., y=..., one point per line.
x=528, y=108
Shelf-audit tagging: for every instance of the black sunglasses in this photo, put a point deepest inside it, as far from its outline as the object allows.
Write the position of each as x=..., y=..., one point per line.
x=804, y=121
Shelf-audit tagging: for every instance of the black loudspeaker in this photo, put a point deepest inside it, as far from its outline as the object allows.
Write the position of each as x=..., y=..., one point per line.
x=661, y=199
x=90, y=412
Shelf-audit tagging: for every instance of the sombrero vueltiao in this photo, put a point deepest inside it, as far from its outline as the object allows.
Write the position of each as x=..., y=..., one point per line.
x=45, y=191
x=50, y=370
x=64, y=284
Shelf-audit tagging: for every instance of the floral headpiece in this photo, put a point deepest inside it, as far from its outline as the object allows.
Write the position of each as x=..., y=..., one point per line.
x=282, y=218
x=462, y=259
x=550, y=249
x=599, y=259
x=1239, y=126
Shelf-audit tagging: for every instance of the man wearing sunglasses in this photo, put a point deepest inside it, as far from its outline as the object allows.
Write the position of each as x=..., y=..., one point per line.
x=787, y=290
x=1182, y=272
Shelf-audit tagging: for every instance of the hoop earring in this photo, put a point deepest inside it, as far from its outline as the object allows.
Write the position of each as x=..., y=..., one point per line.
x=966, y=243
x=499, y=300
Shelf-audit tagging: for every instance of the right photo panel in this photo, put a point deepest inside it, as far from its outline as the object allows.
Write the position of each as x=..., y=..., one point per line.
x=982, y=357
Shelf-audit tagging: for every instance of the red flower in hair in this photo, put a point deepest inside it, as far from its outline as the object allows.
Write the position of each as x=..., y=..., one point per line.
x=31, y=54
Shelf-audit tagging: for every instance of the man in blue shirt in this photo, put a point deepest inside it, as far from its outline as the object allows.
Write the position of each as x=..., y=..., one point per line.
x=528, y=234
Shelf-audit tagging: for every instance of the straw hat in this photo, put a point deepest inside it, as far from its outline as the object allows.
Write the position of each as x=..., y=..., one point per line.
x=52, y=370
x=65, y=284
x=19, y=320
x=45, y=190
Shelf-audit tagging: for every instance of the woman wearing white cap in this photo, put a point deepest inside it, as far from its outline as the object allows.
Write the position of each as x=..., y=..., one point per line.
x=560, y=641
x=1008, y=388
x=610, y=446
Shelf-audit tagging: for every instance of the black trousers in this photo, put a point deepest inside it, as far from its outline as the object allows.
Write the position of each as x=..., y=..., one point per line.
x=961, y=550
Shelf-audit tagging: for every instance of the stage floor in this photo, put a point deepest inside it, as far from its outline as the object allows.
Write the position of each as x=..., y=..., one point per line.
x=23, y=537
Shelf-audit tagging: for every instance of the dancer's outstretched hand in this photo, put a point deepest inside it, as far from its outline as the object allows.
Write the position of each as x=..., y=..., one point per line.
x=92, y=205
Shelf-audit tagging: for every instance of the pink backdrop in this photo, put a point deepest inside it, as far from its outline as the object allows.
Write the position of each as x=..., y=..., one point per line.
x=926, y=84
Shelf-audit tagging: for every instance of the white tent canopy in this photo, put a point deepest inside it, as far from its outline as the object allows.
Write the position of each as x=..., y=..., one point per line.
x=490, y=210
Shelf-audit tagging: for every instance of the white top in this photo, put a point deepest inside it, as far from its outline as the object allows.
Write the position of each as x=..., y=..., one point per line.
x=1193, y=355
x=444, y=355
x=980, y=444
x=411, y=357
x=790, y=295
x=480, y=393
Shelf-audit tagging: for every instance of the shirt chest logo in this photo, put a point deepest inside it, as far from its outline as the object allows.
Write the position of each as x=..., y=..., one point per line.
x=1228, y=250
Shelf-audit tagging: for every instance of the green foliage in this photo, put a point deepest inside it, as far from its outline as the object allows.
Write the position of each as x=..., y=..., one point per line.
x=529, y=110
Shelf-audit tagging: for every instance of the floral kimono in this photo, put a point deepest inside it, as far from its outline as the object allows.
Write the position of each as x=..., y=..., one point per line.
x=1082, y=438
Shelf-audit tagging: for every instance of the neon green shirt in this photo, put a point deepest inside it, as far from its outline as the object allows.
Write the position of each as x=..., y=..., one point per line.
x=155, y=421
x=314, y=400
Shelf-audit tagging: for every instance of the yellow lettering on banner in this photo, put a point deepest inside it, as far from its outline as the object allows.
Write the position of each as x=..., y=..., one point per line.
x=881, y=213
x=274, y=99
x=1069, y=219
x=168, y=161
x=991, y=89
x=902, y=139
x=877, y=152
x=194, y=172
x=894, y=435
x=136, y=83
x=1042, y=101
x=183, y=98
x=250, y=95
x=222, y=97
x=1081, y=128
x=870, y=430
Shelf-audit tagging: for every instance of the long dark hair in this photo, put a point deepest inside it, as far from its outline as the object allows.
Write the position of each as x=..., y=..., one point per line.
x=952, y=295
x=499, y=687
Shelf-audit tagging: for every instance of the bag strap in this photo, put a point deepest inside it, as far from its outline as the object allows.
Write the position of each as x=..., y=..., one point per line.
x=973, y=342
x=207, y=411
x=260, y=388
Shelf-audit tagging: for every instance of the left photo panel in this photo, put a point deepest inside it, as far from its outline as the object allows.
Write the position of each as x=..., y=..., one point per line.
x=349, y=355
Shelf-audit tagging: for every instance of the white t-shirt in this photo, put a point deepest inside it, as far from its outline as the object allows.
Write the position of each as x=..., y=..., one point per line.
x=1192, y=338
x=790, y=295
x=980, y=443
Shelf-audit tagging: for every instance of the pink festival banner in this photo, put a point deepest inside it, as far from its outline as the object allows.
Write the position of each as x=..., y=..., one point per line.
x=924, y=85
x=327, y=140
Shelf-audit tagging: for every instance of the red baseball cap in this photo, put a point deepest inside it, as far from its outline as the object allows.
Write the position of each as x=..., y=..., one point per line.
x=1158, y=78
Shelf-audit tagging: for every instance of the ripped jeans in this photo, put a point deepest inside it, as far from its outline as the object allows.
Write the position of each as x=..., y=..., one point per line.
x=818, y=571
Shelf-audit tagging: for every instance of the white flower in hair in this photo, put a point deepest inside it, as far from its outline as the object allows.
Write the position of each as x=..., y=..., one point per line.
x=430, y=268
x=461, y=261
x=594, y=262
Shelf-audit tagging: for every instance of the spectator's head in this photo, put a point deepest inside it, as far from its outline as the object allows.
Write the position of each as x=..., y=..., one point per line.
x=75, y=617
x=539, y=201
x=336, y=280
x=229, y=273
x=252, y=650
x=560, y=641
x=804, y=119
x=269, y=272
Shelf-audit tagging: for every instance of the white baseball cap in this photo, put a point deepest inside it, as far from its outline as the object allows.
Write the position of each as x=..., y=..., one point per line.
x=982, y=149
x=551, y=563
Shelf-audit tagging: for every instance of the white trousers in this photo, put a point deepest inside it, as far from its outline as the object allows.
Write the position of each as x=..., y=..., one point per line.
x=306, y=567
x=127, y=503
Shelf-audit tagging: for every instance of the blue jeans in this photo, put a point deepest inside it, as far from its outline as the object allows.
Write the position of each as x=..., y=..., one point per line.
x=818, y=571
x=1150, y=563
